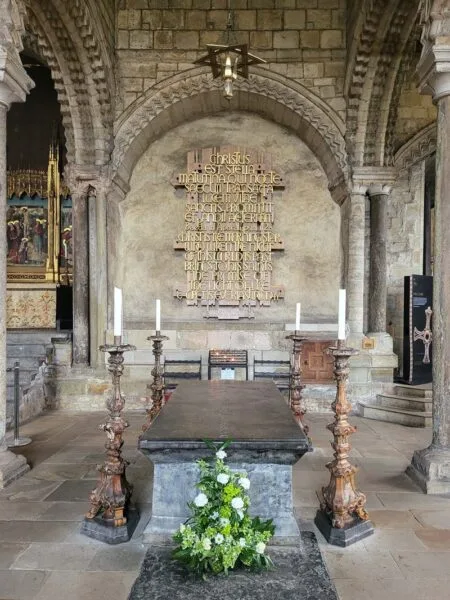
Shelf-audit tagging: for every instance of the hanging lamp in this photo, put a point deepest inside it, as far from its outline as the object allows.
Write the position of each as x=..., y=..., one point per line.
x=230, y=59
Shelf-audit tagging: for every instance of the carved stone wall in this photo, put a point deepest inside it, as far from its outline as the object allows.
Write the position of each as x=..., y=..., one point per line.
x=152, y=215
x=405, y=249
x=303, y=40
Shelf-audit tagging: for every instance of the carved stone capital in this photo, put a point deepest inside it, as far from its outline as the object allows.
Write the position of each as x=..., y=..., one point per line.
x=14, y=81
x=375, y=181
x=80, y=179
x=433, y=68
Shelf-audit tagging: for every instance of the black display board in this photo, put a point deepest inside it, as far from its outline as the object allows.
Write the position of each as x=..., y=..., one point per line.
x=417, y=336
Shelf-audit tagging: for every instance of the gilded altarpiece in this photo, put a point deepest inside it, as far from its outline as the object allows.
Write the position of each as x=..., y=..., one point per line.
x=229, y=235
x=39, y=250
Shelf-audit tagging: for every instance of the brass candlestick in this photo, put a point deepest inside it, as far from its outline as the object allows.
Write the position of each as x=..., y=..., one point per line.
x=110, y=517
x=296, y=401
x=157, y=385
x=342, y=517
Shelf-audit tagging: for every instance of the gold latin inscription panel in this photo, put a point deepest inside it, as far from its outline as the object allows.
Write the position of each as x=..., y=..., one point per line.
x=228, y=236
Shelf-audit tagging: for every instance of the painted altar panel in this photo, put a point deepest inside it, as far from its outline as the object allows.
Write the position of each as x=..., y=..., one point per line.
x=27, y=231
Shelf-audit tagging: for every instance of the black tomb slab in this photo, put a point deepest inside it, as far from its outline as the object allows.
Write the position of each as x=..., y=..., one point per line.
x=252, y=414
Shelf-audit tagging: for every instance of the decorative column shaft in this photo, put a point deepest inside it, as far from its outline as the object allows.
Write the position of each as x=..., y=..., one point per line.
x=378, y=264
x=430, y=467
x=80, y=276
x=355, y=275
x=3, y=275
x=14, y=86
x=97, y=271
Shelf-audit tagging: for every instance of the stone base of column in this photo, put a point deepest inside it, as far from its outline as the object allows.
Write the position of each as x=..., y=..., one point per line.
x=12, y=466
x=430, y=469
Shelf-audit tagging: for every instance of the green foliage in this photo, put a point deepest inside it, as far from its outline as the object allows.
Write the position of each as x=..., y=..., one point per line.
x=220, y=535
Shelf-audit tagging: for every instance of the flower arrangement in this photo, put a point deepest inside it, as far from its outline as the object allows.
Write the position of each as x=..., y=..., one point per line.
x=220, y=535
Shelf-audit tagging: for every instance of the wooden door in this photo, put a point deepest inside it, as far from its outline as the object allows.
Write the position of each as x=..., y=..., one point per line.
x=317, y=365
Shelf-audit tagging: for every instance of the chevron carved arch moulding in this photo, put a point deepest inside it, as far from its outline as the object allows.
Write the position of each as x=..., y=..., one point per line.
x=417, y=148
x=194, y=93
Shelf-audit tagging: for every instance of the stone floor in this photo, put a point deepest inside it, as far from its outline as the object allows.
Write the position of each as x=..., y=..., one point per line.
x=43, y=556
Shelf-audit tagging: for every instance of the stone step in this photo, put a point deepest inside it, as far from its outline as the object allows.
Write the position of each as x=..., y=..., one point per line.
x=409, y=418
x=404, y=402
x=36, y=337
x=25, y=350
x=410, y=390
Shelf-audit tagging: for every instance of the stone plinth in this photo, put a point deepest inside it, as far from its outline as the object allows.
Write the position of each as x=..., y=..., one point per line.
x=266, y=443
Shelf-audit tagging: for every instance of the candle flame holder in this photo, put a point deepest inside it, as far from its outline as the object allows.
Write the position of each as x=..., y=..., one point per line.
x=296, y=401
x=111, y=519
x=157, y=386
x=342, y=517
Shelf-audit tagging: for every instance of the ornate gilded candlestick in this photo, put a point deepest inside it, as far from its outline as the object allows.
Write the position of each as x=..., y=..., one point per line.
x=296, y=401
x=342, y=517
x=111, y=519
x=157, y=385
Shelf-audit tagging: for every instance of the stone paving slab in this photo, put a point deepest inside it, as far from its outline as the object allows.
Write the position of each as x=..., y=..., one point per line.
x=299, y=573
x=103, y=585
x=21, y=585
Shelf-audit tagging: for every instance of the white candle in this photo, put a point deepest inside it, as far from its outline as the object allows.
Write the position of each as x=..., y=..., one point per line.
x=297, y=317
x=158, y=315
x=341, y=320
x=117, y=311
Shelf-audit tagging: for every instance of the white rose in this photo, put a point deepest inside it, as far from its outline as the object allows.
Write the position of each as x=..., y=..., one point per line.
x=214, y=515
x=242, y=542
x=260, y=547
x=221, y=454
x=218, y=538
x=223, y=478
x=244, y=482
x=224, y=521
x=206, y=544
x=237, y=503
x=201, y=500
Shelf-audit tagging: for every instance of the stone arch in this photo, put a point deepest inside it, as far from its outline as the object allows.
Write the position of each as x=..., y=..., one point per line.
x=194, y=93
x=419, y=147
x=382, y=32
x=82, y=75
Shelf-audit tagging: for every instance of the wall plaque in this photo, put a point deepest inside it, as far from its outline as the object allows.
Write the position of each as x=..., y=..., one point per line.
x=228, y=237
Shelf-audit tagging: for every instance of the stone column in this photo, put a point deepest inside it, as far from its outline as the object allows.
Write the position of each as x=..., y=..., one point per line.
x=80, y=275
x=97, y=273
x=379, y=195
x=355, y=273
x=431, y=467
x=14, y=85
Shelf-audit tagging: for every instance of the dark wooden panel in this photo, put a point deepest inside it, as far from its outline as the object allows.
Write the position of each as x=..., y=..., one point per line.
x=317, y=365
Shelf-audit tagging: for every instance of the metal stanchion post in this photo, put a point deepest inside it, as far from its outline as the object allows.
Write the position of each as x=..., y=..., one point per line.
x=17, y=441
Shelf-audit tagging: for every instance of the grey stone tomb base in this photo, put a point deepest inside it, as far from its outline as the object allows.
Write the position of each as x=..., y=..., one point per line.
x=299, y=573
x=175, y=486
x=342, y=537
x=98, y=529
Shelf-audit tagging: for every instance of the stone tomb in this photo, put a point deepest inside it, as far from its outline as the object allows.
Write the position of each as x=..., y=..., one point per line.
x=266, y=443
